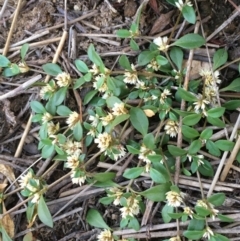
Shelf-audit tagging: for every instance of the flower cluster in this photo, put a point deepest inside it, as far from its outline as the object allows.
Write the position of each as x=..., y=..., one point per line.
x=162, y=43
x=63, y=79
x=31, y=186
x=172, y=128
x=200, y=105
x=143, y=155
x=132, y=208
x=105, y=235
x=174, y=199
x=207, y=205
x=180, y=4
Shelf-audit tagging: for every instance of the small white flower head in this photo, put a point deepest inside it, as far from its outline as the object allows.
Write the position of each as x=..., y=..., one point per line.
x=180, y=4
x=177, y=74
x=52, y=128
x=100, y=83
x=131, y=77
x=78, y=180
x=46, y=117
x=117, y=194
x=177, y=238
x=208, y=233
x=141, y=85
x=188, y=211
x=94, y=70
x=211, y=93
x=92, y=132
x=23, y=181
x=126, y=211
x=94, y=120
x=36, y=198
x=202, y=203
x=118, y=152
x=200, y=104
x=205, y=204
x=210, y=78
x=161, y=42
x=164, y=95
x=72, y=161
x=172, y=128
x=133, y=202
x=63, y=79
x=73, y=147
x=104, y=141
x=107, y=119
x=105, y=235
x=144, y=153
x=72, y=119
x=174, y=199
x=200, y=159
x=34, y=188
x=147, y=167
x=119, y=109
x=23, y=67
x=154, y=65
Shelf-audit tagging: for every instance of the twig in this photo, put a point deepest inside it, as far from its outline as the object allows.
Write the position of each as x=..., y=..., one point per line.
x=3, y=8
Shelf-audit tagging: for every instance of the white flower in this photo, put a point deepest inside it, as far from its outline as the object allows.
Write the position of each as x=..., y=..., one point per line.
x=36, y=198
x=161, y=42
x=117, y=194
x=78, y=180
x=164, y=95
x=94, y=70
x=154, y=65
x=131, y=76
x=144, y=153
x=180, y=4
x=200, y=104
x=72, y=119
x=104, y=141
x=188, y=211
x=72, y=161
x=94, y=120
x=205, y=204
x=208, y=233
x=174, y=199
x=177, y=238
x=105, y=235
x=31, y=188
x=119, y=109
x=171, y=128
x=52, y=128
x=73, y=147
x=23, y=67
x=141, y=85
x=211, y=93
x=23, y=181
x=46, y=117
x=121, y=152
x=63, y=79
x=107, y=119
x=47, y=89
x=133, y=202
x=92, y=132
x=126, y=211
x=100, y=83
x=211, y=78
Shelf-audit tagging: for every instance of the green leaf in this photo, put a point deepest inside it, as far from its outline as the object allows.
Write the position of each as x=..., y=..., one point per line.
x=37, y=107
x=124, y=62
x=212, y=148
x=59, y=96
x=176, y=151
x=95, y=58
x=24, y=50
x=219, y=58
x=225, y=218
x=196, y=224
x=206, y=169
x=134, y=172
x=5, y=236
x=217, y=199
x=202, y=211
x=88, y=97
x=63, y=110
x=123, y=33
x=47, y=151
x=145, y=57
x=119, y=119
x=190, y=41
x=232, y=104
x=195, y=147
x=79, y=82
x=216, y=112
x=206, y=134
x=112, y=100
x=189, y=14
x=157, y=193
x=52, y=69
x=134, y=46
x=234, y=86
x=4, y=61
x=186, y=172
x=106, y=200
x=43, y=213
x=186, y=95
x=95, y=219
x=149, y=141
x=81, y=66
x=189, y=132
x=139, y=120
x=194, y=235
x=175, y=215
x=215, y=121
x=225, y=145
x=51, y=107
x=161, y=60
x=132, y=150
x=104, y=176
x=157, y=176
x=28, y=237
x=11, y=71
x=133, y=223
x=78, y=131
x=165, y=211
x=176, y=55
